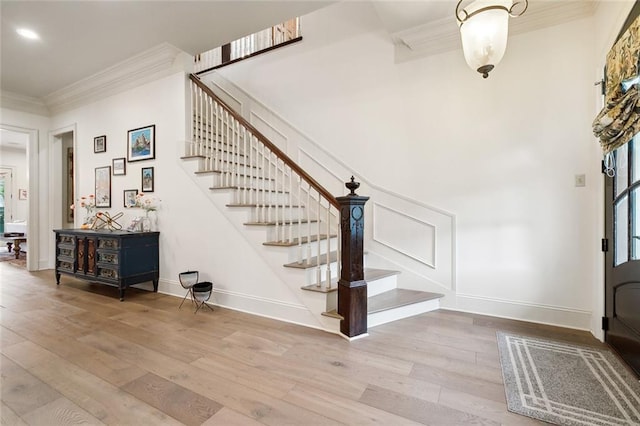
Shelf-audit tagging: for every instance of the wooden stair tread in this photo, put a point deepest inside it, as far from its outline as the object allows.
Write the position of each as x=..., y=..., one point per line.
x=333, y=314
x=322, y=288
x=286, y=222
x=333, y=256
x=296, y=241
x=398, y=297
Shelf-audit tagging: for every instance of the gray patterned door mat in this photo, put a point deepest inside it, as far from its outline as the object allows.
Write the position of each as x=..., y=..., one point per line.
x=565, y=384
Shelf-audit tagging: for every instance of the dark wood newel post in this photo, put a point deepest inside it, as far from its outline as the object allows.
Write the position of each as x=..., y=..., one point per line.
x=352, y=288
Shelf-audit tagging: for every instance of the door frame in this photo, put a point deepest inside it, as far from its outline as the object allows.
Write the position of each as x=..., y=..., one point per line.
x=33, y=199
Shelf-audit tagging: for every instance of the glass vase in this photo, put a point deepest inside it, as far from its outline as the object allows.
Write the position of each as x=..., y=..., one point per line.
x=146, y=223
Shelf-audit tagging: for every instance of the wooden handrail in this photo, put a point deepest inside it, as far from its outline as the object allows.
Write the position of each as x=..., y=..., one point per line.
x=284, y=157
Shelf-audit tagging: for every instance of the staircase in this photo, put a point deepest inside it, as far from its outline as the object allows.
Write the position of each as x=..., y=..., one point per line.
x=300, y=218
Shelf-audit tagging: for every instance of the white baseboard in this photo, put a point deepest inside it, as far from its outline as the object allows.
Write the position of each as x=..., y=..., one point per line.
x=523, y=311
x=254, y=305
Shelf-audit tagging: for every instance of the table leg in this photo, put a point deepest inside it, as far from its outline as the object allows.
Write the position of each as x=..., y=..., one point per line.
x=16, y=248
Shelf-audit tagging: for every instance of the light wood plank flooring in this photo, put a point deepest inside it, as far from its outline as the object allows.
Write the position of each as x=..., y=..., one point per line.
x=75, y=354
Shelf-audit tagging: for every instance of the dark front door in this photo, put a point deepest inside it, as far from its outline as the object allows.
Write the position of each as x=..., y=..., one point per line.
x=622, y=280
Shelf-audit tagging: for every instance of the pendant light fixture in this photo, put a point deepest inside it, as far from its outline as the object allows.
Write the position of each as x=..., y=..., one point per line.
x=484, y=27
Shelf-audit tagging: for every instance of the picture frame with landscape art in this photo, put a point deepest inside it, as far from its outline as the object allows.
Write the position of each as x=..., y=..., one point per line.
x=147, y=179
x=130, y=197
x=103, y=186
x=141, y=143
x=119, y=166
x=100, y=144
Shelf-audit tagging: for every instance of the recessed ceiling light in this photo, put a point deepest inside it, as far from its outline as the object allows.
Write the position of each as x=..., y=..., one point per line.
x=27, y=33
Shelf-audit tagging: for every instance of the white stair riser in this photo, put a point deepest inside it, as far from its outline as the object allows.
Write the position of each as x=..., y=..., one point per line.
x=271, y=214
x=294, y=252
x=401, y=312
x=297, y=230
x=311, y=274
x=381, y=285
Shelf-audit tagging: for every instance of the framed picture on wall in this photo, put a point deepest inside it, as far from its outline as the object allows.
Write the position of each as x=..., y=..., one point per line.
x=141, y=143
x=103, y=186
x=130, y=197
x=119, y=166
x=147, y=179
x=100, y=144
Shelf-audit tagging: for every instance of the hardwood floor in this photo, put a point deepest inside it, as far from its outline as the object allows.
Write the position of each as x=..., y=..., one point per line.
x=75, y=354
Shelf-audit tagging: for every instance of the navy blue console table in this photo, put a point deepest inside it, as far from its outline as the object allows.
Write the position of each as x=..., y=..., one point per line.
x=117, y=258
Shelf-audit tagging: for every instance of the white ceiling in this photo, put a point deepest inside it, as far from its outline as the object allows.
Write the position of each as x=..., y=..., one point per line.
x=80, y=38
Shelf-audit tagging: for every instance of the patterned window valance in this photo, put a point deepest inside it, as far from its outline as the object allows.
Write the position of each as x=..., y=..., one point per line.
x=619, y=120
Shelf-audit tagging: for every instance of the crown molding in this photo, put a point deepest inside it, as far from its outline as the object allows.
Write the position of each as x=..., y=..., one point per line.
x=23, y=103
x=157, y=62
x=443, y=35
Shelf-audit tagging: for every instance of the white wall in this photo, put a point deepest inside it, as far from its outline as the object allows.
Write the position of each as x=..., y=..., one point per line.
x=194, y=234
x=500, y=154
x=17, y=160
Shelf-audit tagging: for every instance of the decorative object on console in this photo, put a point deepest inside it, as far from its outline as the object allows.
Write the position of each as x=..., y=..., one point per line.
x=147, y=179
x=484, y=28
x=103, y=186
x=141, y=143
x=136, y=224
x=100, y=144
x=149, y=204
x=105, y=220
x=87, y=202
x=119, y=166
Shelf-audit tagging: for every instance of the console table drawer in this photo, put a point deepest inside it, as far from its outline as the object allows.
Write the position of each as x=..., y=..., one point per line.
x=108, y=257
x=108, y=243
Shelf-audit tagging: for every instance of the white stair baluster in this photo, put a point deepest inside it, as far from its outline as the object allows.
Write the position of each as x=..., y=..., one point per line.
x=246, y=164
x=276, y=204
x=290, y=236
x=299, y=218
x=200, y=122
x=318, y=254
x=308, y=223
x=328, y=277
x=218, y=162
x=192, y=111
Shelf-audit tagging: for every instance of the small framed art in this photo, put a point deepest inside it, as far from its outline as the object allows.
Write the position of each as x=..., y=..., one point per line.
x=100, y=144
x=119, y=166
x=103, y=186
x=147, y=179
x=130, y=197
x=135, y=224
x=141, y=143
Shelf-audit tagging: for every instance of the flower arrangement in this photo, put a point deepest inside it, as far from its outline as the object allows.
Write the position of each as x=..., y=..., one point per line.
x=149, y=204
x=88, y=202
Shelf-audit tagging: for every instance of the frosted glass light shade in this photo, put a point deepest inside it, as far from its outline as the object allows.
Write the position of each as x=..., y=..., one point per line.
x=484, y=35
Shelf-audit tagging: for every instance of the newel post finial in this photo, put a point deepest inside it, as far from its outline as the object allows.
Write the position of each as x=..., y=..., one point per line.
x=352, y=288
x=352, y=186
